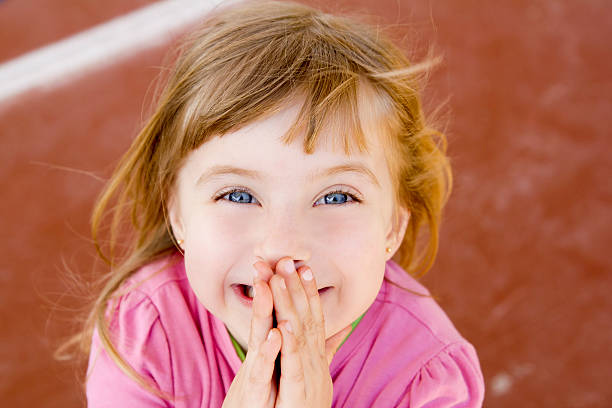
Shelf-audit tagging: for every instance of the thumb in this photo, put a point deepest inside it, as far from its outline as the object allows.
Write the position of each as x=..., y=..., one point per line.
x=333, y=343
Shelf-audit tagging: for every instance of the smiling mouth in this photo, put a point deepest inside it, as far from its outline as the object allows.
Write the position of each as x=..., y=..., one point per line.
x=246, y=291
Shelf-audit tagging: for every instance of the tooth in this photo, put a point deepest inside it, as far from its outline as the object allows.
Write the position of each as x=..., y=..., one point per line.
x=250, y=292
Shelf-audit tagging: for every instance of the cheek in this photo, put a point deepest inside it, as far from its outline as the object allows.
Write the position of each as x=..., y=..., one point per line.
x=213, y=244
x=217, y=234
x=349, y=231
x=352, y=245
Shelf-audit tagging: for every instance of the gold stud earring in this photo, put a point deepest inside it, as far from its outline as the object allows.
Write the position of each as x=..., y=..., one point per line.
x=388, y=249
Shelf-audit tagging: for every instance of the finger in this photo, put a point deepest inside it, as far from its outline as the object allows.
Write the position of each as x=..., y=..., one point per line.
x=260, y=365
x=261, y=320
x=286, y=268
x=283, y=305
x=316, y=326
x=333, y=343
x=264, y=270
x=292, y=386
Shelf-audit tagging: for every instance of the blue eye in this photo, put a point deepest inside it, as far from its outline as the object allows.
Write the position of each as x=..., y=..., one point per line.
x=240, y=196
x=237, y=196
x=337, y=197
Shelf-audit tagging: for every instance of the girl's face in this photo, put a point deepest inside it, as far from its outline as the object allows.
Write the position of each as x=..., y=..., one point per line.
x=247, y=196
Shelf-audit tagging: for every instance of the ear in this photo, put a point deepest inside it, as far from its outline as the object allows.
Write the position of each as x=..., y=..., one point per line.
x=399, y=223
x=175, y=218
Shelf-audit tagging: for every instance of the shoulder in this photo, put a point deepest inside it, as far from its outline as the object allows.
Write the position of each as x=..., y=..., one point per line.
x=403, y=297
x=444, y=365
x=139, y=304
x=136, y=317
x=160, y=330
x=146, y=295
x=452, y=377
x=156, y=295
x=139, y=337
x=417, y=353
x=147, y=281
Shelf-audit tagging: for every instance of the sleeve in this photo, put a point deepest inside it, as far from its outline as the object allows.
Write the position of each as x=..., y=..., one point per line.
x=451, y=379
x=140, y=339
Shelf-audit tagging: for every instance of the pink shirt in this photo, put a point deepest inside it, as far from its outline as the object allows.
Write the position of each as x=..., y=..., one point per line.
x=405, y=352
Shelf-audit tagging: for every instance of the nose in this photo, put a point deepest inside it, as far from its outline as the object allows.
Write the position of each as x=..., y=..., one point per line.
x=282, y=236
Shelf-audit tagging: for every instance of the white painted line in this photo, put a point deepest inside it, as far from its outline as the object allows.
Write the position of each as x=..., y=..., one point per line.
x=104, y=44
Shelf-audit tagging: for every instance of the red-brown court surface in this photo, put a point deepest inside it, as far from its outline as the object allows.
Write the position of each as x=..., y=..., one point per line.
x=523, y=269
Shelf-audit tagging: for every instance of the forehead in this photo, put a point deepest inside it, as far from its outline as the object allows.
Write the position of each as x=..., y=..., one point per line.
x=262, y=147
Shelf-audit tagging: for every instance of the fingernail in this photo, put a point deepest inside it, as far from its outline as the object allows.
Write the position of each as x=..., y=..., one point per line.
x=269, y=335
x=288, y=327
x=307, y=275
x=282, y=284
x=288, y=266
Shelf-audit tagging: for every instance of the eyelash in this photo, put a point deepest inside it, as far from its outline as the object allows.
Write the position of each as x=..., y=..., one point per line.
x=242, y=190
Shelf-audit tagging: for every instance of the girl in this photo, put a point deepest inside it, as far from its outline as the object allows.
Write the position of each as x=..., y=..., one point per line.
x=287, y=162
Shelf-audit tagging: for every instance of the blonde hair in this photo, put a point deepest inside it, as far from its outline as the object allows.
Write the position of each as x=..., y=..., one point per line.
x=241, y=65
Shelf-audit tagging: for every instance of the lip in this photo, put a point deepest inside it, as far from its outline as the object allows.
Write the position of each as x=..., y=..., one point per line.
x=247, y=301
x=237, y=289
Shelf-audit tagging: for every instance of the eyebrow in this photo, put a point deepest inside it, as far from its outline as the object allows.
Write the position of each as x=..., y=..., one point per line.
x=223, y=170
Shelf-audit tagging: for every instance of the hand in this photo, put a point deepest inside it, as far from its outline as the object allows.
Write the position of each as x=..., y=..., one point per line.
x=253, y=385
x=305, y=380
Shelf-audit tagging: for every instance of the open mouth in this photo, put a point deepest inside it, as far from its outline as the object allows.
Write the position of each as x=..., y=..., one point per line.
x=246, y=293
x=247, y=290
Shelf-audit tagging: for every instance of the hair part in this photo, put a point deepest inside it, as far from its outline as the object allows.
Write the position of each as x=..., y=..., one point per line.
x=243, y=64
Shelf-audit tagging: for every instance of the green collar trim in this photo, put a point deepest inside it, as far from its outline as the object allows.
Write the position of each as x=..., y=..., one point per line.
x=238, y=347
x=242, y=354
